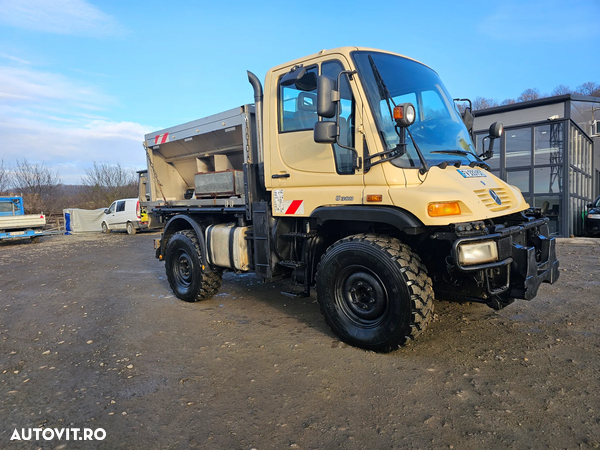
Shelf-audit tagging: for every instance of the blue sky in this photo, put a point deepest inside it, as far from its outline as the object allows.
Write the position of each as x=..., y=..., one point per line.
x=82, y=81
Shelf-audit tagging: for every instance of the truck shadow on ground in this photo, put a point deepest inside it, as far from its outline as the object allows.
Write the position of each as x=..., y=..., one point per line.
x=272, y=296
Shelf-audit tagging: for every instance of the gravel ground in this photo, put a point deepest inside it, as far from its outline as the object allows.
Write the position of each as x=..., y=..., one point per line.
x=92, y=337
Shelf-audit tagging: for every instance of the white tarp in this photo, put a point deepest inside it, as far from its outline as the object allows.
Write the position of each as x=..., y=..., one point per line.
x=83, y=220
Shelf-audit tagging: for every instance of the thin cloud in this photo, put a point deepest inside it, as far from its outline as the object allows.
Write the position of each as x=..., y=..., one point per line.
x=56, y=144
x=68, y=17
x=46, y=87
x=14, y=58
x=548, y=20
x=54, y=119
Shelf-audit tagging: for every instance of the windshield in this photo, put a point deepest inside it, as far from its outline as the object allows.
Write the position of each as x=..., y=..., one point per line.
x=438, y=126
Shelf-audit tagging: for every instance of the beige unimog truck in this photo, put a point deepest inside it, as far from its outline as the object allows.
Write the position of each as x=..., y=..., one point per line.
x=354, y=174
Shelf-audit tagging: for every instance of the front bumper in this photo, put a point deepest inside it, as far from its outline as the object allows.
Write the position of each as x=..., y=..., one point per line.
x=526, y=259
x=592, y=226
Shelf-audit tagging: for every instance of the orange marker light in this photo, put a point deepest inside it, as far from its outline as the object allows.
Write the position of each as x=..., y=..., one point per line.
x=374, y=198
x=443, y=209
x=398, y=112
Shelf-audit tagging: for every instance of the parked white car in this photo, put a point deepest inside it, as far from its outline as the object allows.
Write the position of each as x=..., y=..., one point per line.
x=122, y=215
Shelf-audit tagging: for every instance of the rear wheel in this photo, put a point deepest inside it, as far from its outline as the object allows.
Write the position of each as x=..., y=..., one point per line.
x=187, y=276
x=130, y=228
x=374, y=292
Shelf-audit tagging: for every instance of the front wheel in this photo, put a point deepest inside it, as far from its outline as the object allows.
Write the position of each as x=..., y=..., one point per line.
x=104, y=228
x=185, y=272
x=374, y=292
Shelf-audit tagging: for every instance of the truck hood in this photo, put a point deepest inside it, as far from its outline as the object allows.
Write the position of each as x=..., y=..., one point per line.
x=480, y=195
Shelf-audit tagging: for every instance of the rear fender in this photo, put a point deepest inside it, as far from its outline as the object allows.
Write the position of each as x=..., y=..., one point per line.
x=178, y=223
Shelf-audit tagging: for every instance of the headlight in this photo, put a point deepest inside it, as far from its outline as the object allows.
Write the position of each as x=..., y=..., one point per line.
x=477, y=253
x=593, y=216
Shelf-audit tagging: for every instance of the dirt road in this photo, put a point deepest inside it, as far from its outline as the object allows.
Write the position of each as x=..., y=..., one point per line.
x=91, y=336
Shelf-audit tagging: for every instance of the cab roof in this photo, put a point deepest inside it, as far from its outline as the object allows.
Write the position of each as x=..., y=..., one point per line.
x=339, y=50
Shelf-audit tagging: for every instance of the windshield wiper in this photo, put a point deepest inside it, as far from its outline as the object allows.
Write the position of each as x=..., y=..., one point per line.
x=464, y=153
x=388, y=155
x=453, y=152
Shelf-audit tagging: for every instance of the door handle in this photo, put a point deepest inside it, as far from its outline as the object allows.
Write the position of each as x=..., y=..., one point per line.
x=280, y=175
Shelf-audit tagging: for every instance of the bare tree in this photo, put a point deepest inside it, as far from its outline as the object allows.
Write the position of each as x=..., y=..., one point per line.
x=5, y=177
x=39, y=186
x=484, y=103
x=589, y=88
x=561, y=89
x=105, y=182
x=529, y=94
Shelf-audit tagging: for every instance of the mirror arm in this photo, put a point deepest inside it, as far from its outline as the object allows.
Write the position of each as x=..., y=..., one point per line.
x=483, y=145
x=393, y=154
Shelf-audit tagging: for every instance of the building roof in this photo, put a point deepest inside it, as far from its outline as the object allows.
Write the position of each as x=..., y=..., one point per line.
x=538, y=102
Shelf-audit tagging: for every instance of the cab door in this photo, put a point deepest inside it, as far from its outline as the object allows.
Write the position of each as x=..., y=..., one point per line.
x=109, y=216
x=120, y=216
x=305, y=175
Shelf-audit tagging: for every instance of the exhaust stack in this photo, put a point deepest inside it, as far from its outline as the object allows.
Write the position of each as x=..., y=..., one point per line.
x=258, y=102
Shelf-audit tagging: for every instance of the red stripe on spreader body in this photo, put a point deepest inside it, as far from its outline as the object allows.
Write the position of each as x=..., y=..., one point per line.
x=162, y=138
x=294, y=207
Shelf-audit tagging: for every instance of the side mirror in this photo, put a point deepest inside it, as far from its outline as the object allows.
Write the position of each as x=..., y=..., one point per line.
x=590, y=205
x=468, y=119
x=496, y=130
x=326, y=132
x=106, y=211
x=467, y=115
x=327, y=97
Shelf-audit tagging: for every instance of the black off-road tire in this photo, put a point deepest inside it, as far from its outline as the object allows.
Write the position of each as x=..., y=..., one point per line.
x=183, y=263
x=374, y=292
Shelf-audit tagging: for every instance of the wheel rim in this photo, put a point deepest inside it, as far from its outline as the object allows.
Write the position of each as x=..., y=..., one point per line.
x=129, y=228
x=182, y=268
x=361, y=296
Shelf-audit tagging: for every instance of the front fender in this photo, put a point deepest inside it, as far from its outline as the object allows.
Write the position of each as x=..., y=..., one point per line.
x=396, y=217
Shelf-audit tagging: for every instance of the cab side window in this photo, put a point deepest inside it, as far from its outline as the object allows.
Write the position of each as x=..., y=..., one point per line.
x=344, y=158
x=298, y=103
x=112, y=208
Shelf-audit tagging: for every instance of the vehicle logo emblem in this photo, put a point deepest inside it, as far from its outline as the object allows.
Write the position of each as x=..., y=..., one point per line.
x=495, y=197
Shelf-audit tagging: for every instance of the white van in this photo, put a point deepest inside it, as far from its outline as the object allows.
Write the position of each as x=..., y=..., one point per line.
x=123, y=215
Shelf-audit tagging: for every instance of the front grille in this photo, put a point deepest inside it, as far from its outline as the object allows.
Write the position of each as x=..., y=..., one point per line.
x=485, y=196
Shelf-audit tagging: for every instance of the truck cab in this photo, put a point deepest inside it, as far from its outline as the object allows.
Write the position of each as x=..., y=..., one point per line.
x=353, y=173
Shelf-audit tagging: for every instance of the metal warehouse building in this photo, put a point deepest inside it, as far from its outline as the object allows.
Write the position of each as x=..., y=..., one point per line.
x=551, y=151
